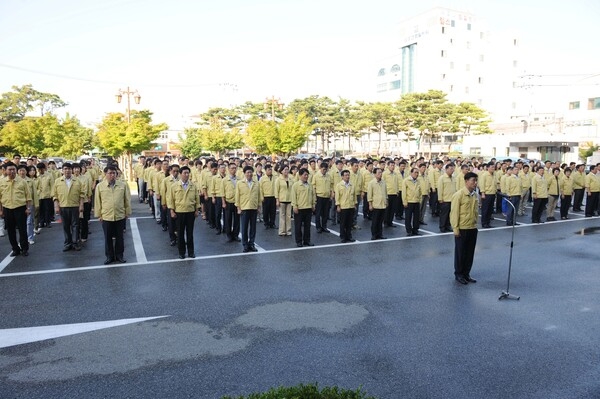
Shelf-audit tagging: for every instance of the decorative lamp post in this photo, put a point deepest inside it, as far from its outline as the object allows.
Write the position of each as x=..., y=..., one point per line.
x=274, y=102
x=128, y=92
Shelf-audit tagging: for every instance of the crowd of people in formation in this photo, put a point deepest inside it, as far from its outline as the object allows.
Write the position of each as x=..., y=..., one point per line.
x=233, y=195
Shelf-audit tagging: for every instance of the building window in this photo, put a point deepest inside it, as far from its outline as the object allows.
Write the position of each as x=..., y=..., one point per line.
x=451, y=64
x=451, y=40
x=514, y=42
x=443, y=30
x=479, y=80
x=574, y=105
x=381, y=72
x=443, y=54
x=468, y=45
x=515, y=63
x=481, y=58
x=523, y=152
x=467, y=90
x=452, y=23
x=514, y=85
x=594, y=103
x=475, y=150
x=481, y=35
x=479, y=102
x=395, y=68
x=468, y=26
x=514, y=105
x=451, y=87
x=381, y=87
x=443, y=76
x=395, y=85
x=468, y=67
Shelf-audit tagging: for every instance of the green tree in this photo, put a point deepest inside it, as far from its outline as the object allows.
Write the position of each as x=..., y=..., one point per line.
x=258, y=133
x=16, y=104
x=191, y=142
x=217, y=138
x=470, y=119
x=380, y=117
x=323, y=113
x=121, y=139
x=586, y=150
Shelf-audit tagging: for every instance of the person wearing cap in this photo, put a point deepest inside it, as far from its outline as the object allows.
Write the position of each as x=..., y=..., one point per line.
x=112, y=207
x=15, y=203
x=464, y=211
x=184, y=203
x=303, y=201
x=411, y=200
x=248, y=197
x=267, y=186
x=69, y=195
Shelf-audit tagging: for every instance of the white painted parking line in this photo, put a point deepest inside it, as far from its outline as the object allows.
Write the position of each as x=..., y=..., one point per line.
x=140, y=255
x=335, y=233
x=5, y=262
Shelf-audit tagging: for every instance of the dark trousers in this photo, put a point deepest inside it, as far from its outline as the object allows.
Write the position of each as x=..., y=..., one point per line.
x=498, y=202
x=84, y=226
x=302, y=225
x=164, y=222
x=211, y=216
x=355, y=215
x=321, y=211
x=578, y=198
x=377, y=222
x=151, y=203
x=400, y=206
x=464, y=252
x=510, y=214
x=16, y=219
x=346, y=222
x=114, y=250
x=423, y=207
x=232, y=221
x=445, y=216
x=365, y=207
x=46, y=209
x=591, y=204
x=185, y=232
x=218, y=206
x=390, y=211
x=413, y=215
x=172, y=226
x=487, y=209
x=269, y=211
x=539, y=205
x=433, y=203
x=70, y=222
x=248, y=221
x=565, y=204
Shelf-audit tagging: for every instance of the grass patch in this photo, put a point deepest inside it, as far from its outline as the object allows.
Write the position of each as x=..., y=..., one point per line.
x=310, y=391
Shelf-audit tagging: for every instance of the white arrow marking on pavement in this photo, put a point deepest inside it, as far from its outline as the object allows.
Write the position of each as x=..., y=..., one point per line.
x=18, y=336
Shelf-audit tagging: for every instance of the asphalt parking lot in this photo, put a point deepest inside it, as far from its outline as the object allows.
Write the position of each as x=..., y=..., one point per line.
x=385, y=314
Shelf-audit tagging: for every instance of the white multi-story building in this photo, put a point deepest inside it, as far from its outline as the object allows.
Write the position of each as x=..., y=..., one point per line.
x=455, y=52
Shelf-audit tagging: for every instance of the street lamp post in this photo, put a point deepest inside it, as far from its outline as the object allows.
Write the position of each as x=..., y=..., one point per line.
x=128, y=92
x=136, y=98
x=274, y=102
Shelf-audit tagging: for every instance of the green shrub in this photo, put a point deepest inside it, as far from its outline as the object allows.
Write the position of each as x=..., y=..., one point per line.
x=310, y=391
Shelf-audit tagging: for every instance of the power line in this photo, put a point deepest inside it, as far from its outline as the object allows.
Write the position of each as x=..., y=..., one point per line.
x=67, y=77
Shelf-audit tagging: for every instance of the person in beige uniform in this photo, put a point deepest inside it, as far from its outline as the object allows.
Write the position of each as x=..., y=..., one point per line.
x=283, y=198
x=15, y=202
x=112, y=207
x=304, y=204
x=411, y=200
x=463, y=217
x=539, y=191
x=68, y=197
x=377, y=198
x=184, y=203
x=566, y=192
x=345, y=199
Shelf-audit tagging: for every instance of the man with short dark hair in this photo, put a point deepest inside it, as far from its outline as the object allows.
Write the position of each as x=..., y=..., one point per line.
x=463, y=217
x=15, y=203
x=68, y=194
x=303, y=202
x=112, y=207
x=248, y=198
x=345, y=199
x=184, y=203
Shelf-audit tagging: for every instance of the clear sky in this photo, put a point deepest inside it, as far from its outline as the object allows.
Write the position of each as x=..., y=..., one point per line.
x=185, y=56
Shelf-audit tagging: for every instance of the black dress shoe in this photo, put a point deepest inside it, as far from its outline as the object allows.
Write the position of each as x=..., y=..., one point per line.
x=246, y=250
x=319, y=230
x=470, y=280
x=299, y=245
x=108, y=261
x=461, y=280
x=409, y=234
x=181, y=256
x=25, y=253
x=253, y=249
x=373, y=238
x=326, y=230
x=67, y=248
x=308, y=244
x=219, y=232
x=15, y=253
x=165, y=228
x=173, y=243
x=120, y=260
x=344, y=241
x=351, y=240
x=192, y=255
x=382, y=238
x=423, y=223
x=238, y=239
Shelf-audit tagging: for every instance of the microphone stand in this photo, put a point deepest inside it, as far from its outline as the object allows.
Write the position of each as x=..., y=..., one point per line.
x=506, y=294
